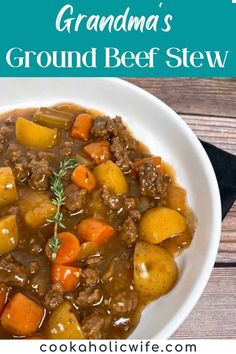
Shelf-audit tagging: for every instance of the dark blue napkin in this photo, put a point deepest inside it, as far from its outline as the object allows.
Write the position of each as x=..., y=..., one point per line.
x=224, y=165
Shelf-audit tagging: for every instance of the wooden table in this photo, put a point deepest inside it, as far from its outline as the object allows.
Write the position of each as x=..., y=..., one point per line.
x=209, y=107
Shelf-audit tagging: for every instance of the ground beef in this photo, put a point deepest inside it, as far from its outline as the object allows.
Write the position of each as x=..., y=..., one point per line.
x=121, y=139
x=117, y=202
x=94, y=260
x=124, y=302
x=12, y=272
x=151, y=181
x=48, y=156
x=124, y=135
x=118, y=274
x=33, y=267
x=106, y=128
x=75, y=198
x=39, y=277
x=112, y=200
x=135, y=214
x=5, y=134
x=18, y=161
x=39, y=284
x=10, y=121
x=14, y=153
x=41, y=171
x=129, y=204
x=103, y=128
x=54, y=297
x=32, y=166
x=21, y=171
x=128, y=232
x=2, y=143
x=96, y=324
x=35, y=245
x=90, y=276
x=129, y=207
x=120, y=155
x=88, y=297
x=66, y=149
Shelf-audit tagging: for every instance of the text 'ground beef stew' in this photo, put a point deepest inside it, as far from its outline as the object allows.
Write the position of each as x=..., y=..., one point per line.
x=90, y=223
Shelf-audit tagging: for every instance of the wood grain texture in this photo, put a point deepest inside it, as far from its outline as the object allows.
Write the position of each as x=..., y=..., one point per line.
x=209, y=107
x=214, y=97
x=227, y=249
x=214, y=316
x=220, y=131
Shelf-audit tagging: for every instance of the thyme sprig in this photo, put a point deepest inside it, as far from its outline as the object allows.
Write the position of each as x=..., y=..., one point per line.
x=59, y=200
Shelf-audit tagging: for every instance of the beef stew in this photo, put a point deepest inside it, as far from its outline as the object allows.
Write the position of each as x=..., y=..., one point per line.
x=90, y=225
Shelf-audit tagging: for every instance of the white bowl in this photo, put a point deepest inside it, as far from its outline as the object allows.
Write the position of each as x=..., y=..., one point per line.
x=166, y=134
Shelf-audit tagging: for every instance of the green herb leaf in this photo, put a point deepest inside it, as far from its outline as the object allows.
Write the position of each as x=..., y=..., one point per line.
x=59, y=200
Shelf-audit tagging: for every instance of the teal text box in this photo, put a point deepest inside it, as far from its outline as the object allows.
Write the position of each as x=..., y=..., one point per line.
x=200, y=25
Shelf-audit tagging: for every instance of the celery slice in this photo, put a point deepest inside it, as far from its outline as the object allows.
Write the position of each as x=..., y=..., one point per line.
x=54, y=118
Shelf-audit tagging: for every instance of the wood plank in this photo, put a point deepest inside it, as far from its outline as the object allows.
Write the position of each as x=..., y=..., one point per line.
x=214, y=316
x=194, y=96
x=216, y=130
x=227, y=249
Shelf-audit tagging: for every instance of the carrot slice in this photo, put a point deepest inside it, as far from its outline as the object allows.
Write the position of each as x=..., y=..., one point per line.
x=68, y=250
x=82, y=126
x=155, y=160
x=67, y=276
x=22, y=316
x=4, y=293
x=83, y=178
x=95, y=230
x=99, y=151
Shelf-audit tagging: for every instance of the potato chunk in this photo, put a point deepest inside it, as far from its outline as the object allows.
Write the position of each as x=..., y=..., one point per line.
x=36, y=208
x=109, y=174
x=63, y=324
x=176, y=198
x=8, y=233
x=158, y=224
x=155, y=270
x=8, y=192
x=34, y=135
x=95, y=205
